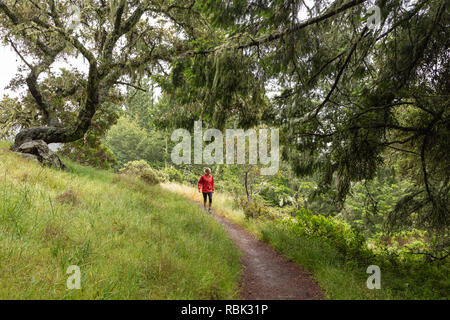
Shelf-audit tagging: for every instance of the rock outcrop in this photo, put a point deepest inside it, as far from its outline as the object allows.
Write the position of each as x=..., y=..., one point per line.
x=39, y=150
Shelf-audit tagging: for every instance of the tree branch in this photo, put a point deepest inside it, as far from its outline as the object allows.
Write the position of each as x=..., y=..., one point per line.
x=130, y=85
x=277, y=35
x=340, y=73
x=119, y=29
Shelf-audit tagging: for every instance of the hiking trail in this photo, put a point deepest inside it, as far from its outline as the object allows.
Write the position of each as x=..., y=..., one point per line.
x=265, y=273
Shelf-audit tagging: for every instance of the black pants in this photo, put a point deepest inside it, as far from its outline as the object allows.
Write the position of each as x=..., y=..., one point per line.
x=209, y=195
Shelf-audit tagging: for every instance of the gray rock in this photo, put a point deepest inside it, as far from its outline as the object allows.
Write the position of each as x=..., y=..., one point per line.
x=39, y=150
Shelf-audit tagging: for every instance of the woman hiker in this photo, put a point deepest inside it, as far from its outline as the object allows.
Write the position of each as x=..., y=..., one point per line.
x=206, y=183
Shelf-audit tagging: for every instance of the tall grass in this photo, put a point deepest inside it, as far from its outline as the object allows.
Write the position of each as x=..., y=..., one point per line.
x=222, y=203
x=130, y=240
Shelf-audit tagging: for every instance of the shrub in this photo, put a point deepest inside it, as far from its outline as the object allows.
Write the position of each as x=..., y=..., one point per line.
x=254, y=208
x=193, y=178
x=347, y=239
x=277, y=195
x=162, y=176
x=142, y=169
x=89, y=153
x=239, y=202
x=135, y=167
x=150, y=178
x=172, y=174
x=424, y=278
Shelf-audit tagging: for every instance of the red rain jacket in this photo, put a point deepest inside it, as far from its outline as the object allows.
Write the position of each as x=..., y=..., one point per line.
x=207, y=183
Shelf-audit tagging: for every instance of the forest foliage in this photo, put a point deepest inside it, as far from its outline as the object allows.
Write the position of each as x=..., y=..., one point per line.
x=363, y=112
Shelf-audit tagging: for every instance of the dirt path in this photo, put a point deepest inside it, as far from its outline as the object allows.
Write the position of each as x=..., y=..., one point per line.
x=266, y=274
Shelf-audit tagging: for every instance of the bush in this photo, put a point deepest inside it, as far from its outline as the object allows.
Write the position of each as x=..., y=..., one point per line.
x=192, y=178
x=142, y=169
x=277, y=195
x=162, y=176
x=406, y=275
x=89, y=153
x=171, y=174
x=347, y=239
x=254, y=208
x=150, y=178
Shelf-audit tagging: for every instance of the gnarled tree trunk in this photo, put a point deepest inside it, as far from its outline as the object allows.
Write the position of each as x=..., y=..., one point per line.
x=43, y=33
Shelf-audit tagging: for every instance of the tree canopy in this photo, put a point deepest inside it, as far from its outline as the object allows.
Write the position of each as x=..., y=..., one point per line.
x=349, y=95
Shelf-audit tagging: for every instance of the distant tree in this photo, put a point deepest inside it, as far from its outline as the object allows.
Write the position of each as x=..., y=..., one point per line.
x=140, y=105
x=129, y=142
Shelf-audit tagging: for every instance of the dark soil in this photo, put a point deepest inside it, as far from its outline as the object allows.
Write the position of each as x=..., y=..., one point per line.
x=267, y=274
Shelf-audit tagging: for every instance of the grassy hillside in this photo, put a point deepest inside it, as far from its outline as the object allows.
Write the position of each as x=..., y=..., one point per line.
x=130, y=240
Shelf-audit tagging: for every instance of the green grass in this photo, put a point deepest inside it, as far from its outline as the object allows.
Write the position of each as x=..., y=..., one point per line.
x=345, y=278
x=339, y=279
x=130, y=240
x=339, y=276
x=223, y=204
